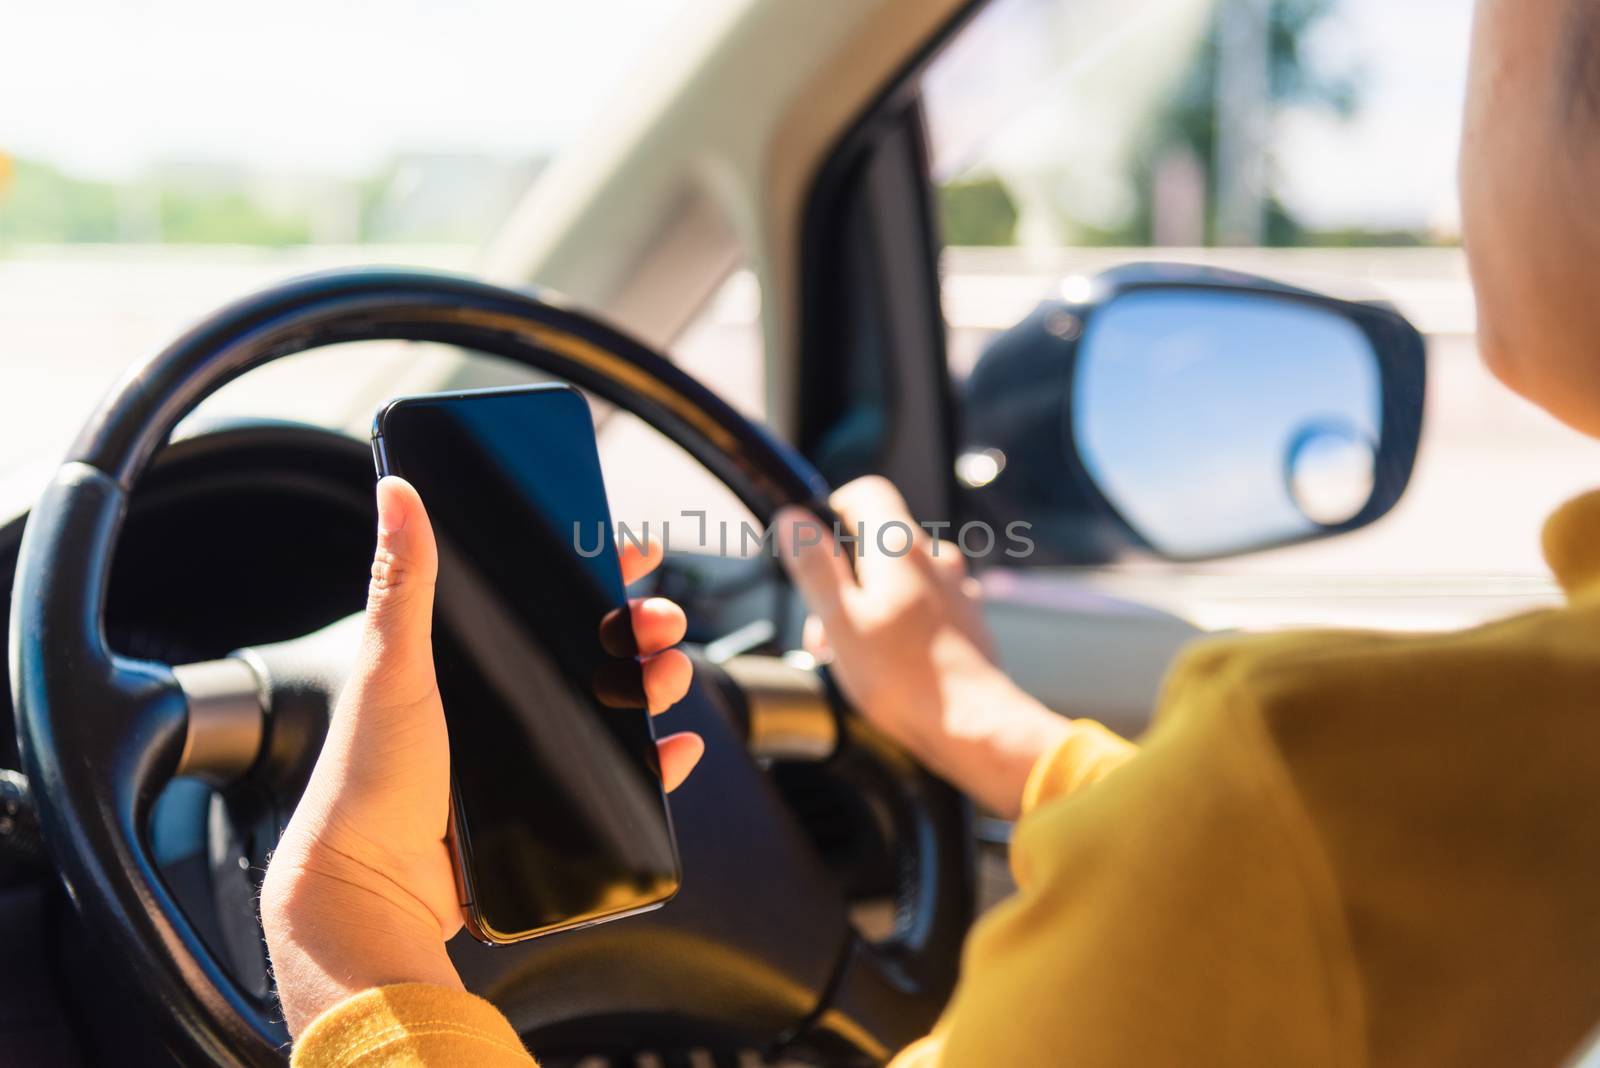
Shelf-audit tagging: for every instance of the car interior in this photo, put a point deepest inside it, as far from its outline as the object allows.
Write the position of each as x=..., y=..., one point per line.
x=180, y=586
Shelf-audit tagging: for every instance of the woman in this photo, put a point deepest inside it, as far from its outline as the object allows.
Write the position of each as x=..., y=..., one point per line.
x=1331, y=849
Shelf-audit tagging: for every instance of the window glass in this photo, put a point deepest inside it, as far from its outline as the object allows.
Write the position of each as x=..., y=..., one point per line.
x=651, y=480
x=159, y=159
x=1310, y=141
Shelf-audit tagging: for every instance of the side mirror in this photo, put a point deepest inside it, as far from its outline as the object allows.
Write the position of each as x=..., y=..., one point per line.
x=1192, y=413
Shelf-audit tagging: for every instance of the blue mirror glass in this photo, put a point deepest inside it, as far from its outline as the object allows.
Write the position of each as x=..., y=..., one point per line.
x=1216, y=422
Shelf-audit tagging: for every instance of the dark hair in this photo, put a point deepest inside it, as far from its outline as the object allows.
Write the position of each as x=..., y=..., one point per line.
x=1580, y=73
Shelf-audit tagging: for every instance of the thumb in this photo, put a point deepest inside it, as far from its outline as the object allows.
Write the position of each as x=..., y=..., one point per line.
x=814, y=561
x=404, y=569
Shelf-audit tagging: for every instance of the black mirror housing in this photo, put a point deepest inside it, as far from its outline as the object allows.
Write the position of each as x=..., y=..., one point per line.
x=1191, y=413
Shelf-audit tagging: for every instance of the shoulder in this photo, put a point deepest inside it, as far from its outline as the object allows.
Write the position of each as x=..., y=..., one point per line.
x=1537, y=661
x=1431, y=786
x=1473, y=733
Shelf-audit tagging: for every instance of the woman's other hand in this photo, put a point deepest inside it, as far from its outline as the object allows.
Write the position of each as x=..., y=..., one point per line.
x=908, y=644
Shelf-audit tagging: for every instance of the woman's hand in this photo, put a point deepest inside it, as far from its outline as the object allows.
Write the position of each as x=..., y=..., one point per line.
x=909, y=646
x=360, y=892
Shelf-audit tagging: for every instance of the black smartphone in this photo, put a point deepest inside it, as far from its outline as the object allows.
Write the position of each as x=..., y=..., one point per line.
x=558, y=817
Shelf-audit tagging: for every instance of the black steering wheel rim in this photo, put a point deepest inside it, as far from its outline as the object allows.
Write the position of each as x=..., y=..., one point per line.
x=95, y=782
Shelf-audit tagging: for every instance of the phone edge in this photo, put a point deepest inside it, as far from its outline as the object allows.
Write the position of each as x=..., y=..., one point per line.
x=456, y=839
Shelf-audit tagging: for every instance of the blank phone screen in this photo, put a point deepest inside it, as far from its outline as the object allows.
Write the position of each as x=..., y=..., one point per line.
x=559, y=812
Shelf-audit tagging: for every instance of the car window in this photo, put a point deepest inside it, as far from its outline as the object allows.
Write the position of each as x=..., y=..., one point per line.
x=652, y=481
x=1068, y=136
x=156, y=163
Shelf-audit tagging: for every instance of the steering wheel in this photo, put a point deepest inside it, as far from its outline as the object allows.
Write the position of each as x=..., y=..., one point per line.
x=757, y=950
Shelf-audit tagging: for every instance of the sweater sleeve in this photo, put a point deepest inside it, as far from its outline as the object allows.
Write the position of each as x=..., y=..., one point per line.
x=1087, y=755
x=1162, y=917
x=1082, y=758
x=408, y=1026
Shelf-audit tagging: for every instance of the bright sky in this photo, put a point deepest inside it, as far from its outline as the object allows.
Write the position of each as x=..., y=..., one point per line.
x=1395, y=164
x=104, y=87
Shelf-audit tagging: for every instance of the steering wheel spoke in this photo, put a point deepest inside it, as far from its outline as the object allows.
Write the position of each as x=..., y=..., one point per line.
x=147, y=717
x=127, y=742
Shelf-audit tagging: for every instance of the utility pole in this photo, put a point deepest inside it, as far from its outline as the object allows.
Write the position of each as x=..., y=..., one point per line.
x=1244, y=120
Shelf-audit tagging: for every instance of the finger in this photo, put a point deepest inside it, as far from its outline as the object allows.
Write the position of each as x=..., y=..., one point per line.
x=619, y=683
x=639, y=560
x=947, y=557
x=667, y=678
x=657, y=624
x=679, y=754
x=616, y=633
x=813, y=560
x=814, y=640
x=405, y=567
x=873, y=508
x=648, y=625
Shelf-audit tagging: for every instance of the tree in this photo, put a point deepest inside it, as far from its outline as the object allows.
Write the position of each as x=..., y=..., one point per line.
x=1188, y=121
x=977, y=211
x=40, y=203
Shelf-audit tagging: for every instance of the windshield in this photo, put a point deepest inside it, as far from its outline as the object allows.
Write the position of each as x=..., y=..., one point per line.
x=161, y=158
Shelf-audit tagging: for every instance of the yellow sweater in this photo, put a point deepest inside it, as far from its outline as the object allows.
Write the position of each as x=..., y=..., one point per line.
x=1333, y=849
